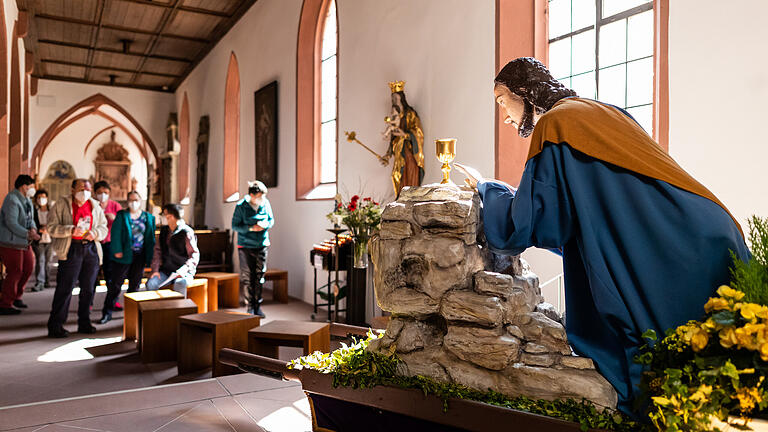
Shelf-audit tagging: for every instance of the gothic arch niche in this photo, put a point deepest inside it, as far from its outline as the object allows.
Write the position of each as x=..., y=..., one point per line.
x=58, y=179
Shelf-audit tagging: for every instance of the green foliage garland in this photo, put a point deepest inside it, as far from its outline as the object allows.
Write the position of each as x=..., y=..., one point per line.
x=354, y=366
x=751, y=277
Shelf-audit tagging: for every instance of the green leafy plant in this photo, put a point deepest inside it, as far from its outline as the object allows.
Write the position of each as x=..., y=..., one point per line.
x=354, y=366
x=751, y=277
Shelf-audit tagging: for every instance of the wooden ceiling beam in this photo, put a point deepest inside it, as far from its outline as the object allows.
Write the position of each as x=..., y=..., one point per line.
x=94, y=38
x=104, y=83
x=182, y=8
x=167, y=18
x=112, y=50
x=215, y=36
x=116, y=69
x=120, y=28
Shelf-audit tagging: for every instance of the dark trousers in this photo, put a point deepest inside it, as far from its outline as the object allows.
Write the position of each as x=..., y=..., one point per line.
x=81, y=267
x=18, y=266
x=253, y=265
x=133, y=271
x=107, y=265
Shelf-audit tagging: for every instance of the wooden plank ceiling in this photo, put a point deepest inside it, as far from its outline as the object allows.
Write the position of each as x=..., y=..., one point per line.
x=147, y=44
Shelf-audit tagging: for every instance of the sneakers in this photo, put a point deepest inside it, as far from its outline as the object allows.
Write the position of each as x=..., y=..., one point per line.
x=107, y=317
x=38, y=287
x=89, y=329
x=118, y=307
x=20, y=304
x=9, y=311
x=259, y=312
x=57, y=333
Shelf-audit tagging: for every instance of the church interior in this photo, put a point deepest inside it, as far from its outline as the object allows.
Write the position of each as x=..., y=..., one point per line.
x=318, y=149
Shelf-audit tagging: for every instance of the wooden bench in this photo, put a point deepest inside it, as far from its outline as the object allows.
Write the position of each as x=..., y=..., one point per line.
x=205, y=297
x=279, y=280
x=131, y=308
x=267, y=339
x=227, y=285
x=202, y=336
x=158, y=328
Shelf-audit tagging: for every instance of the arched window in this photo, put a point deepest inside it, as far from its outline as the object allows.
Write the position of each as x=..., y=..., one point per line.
x=316, y=101
x=232, y=131
x=184, y=151
x=328, y=97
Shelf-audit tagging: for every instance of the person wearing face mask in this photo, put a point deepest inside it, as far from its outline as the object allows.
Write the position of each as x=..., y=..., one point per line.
x=77, y=225
x=110, y=208
x=17, y=232
x=175, y=259
x=42, y=247
x=252, y=220
x=132, y=248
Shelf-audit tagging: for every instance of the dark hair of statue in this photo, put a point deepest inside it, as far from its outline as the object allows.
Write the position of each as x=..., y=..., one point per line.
x=530, y=79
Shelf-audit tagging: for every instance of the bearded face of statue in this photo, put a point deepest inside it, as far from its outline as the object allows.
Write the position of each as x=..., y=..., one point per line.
x=518, y=112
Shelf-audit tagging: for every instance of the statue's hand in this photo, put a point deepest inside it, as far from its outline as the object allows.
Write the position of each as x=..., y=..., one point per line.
x=473, y=175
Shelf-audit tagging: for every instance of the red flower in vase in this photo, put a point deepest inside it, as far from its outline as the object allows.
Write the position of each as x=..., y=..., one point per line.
x=352, y=206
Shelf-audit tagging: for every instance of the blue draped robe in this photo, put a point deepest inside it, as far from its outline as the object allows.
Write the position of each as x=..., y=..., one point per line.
x=637, y=252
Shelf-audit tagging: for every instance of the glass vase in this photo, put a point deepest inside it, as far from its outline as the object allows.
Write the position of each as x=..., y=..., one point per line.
x=360, y=237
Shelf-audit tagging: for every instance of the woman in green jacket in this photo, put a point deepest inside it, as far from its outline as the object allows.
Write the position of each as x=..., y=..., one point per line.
x=133, y=243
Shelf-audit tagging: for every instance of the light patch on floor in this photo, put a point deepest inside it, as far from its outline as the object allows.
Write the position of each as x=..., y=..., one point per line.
x=75, y=351
x=286, y=418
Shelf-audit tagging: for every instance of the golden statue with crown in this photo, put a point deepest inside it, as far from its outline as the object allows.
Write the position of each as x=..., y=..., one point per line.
x=406, y=141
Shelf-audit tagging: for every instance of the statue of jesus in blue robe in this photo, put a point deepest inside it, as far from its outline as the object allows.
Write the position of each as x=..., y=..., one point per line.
x=643, y=244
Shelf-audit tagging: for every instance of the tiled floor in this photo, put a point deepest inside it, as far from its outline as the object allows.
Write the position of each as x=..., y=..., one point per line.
x=234, y=403
x=34, y=368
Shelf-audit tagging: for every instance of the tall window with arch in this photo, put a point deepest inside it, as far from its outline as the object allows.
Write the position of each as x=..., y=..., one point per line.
x=328, y=97
x=604, y=50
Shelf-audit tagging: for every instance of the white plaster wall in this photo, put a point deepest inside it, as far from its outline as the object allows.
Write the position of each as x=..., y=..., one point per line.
x=149, y=108
x=72, y=141
x=443, y=49
x=718, y=83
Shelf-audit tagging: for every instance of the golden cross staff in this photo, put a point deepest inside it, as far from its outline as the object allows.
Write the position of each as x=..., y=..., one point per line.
x=352, y=137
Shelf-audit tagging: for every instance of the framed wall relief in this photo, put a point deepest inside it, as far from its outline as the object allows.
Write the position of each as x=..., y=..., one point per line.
x=265, y=145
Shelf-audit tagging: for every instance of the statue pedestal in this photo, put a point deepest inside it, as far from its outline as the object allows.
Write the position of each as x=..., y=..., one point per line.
x=463, y=315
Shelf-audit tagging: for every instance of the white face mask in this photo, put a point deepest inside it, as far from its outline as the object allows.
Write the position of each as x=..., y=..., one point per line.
x=42, y=201
x=257, y=201
x=102, y=197
x=83, y=196
x=134, y=206
x=31, y=192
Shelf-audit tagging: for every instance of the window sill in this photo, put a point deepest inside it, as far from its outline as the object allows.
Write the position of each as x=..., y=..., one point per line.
x=325, y=191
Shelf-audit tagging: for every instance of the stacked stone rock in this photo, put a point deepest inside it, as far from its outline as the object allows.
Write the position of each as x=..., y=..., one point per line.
x=462, y=314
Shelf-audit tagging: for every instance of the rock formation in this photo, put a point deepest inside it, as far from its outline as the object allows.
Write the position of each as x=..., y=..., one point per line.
x=463, y=314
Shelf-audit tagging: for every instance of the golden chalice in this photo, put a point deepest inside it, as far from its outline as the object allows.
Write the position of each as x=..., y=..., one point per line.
x=445, y=150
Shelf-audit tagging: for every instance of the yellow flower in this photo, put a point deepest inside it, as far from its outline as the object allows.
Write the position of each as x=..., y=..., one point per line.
x=702, y=393
x=764, y=351
x=748, y=397
x=728, y=292
x=715, y=304
x=699, y=339
x=728, y=337
x=750, y=311
x=745, y=339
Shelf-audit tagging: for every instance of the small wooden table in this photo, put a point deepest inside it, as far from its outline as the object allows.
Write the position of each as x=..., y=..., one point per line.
x=158, y=328
x=202, y=336
x=311, y=336
x=279, y=280
x=227, y=285
x=204, y=297
x=131, y=308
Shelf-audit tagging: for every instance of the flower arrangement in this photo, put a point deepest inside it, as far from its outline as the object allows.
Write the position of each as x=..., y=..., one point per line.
x=362, y=217
x=715, y=368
